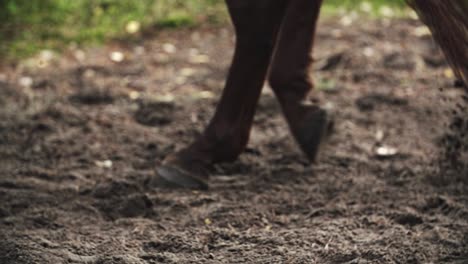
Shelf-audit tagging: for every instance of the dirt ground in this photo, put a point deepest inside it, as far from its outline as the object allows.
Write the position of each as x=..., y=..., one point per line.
x=80, y=136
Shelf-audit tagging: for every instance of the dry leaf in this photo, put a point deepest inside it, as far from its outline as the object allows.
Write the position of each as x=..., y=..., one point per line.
x=448, y=73
x=187, y=72
x=199, y=59
x=421, y=31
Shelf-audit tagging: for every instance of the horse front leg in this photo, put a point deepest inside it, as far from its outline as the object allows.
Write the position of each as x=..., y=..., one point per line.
x=256, y=24
x=290, y=76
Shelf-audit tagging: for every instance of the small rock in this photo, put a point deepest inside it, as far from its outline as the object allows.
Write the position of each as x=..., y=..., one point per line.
x=139, y=50
x=104, y=164
x=79, y=55
x=386, y=151
x=161, y=58
x=169, y=48
x=25, y=81
x=204, y=95
x=134, y=95
x=117, y=56
x=46, y=55
x=346, y=20
x=368, y=51
x=379, y=135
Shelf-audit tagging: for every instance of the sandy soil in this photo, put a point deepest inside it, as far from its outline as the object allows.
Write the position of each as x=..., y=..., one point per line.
x=80, y=136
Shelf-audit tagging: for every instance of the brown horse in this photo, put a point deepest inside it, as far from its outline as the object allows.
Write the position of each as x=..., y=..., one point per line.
x=274, y=38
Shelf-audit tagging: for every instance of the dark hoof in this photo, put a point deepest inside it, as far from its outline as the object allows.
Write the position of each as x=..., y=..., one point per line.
x=314, y=132
x=181, y=178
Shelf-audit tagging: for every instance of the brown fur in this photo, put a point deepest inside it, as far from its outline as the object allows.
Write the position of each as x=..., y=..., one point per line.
x=448, y=21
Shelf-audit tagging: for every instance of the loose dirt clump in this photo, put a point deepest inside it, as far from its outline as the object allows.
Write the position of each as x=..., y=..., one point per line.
x=79, y=142
x=155, y=113
x=454, y=156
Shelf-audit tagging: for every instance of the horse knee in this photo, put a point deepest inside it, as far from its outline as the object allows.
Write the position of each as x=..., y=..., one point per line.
x=257, y=46
x=287, y=82
x=278, y=78
x=254, y=31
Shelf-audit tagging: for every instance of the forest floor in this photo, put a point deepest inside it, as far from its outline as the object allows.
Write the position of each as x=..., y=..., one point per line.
x=81, y=135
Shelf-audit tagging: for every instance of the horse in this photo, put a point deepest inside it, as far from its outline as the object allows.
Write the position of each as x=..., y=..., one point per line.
x=274, y=41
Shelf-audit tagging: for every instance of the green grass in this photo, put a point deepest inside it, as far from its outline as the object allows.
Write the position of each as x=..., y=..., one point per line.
x=27, y=26
x=371, y=8
x=356, y=3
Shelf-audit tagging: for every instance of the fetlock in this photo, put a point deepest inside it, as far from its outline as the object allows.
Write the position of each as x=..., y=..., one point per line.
x=222, y=145
x=190, y=166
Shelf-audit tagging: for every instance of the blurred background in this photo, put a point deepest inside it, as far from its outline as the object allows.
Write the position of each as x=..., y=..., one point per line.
x=28, y=26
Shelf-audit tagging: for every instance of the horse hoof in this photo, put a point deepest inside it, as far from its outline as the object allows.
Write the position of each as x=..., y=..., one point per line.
x=314, y=132
x=181, y=177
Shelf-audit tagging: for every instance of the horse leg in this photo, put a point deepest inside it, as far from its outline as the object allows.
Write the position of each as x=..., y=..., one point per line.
x=290, y=80
x=256, y=23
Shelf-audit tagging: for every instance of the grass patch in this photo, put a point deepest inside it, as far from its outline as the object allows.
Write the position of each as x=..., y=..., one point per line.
x=369, y=8
x=27, y=26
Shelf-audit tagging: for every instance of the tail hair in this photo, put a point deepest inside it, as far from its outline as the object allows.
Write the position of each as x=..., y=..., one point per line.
x=448, y=22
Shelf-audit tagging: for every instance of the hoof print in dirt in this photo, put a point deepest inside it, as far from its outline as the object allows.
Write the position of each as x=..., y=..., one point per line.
x=435, y=60
x=331, y=62
x=407, y=219
x=4, y=212
x=165, y=257
x=399, y=61
x=371, y=101
x=115, y=189
x=459, y=84
x=92, y=97
x=155, y=113
x=11, y=98
x=124, y=207
x=120, y=259
x=119, y=199
x=161, y=183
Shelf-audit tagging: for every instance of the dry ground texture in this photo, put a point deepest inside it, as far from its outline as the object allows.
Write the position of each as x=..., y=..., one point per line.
x=80, y=136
